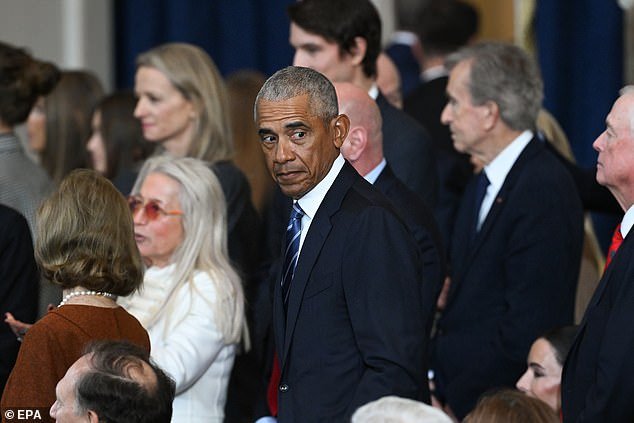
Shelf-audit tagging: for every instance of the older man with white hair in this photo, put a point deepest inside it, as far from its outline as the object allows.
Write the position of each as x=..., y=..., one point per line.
x=598, y=376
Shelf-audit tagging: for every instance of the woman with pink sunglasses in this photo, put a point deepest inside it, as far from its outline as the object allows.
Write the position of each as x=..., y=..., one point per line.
x=191, y=302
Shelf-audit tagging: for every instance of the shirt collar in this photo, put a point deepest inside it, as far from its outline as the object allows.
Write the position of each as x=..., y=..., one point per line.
x=373, y=175
x=434, y=72
x=311, y=201
x=497, y=170
x=374, y=91
x=403, y=37
x=627, y=222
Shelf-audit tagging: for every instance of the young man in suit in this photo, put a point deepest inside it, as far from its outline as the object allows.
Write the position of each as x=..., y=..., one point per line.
x=347, y=315
x=598, y=376
x=517, y=242
x=342, y=40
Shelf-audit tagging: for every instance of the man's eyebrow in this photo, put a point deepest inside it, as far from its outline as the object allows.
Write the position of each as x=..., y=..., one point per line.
x=294, y=125
x=265, y=131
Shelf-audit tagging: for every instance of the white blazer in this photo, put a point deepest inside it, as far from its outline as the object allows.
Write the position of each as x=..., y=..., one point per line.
x=186, y=343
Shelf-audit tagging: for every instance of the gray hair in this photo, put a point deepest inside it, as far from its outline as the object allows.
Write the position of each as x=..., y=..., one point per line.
x=505, y=75
x=394, y=409
x=629, y=90
x=204, y=246
x=294, y=81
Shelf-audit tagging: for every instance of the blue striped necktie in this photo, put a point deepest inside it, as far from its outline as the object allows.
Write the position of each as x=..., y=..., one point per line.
x=293, y=232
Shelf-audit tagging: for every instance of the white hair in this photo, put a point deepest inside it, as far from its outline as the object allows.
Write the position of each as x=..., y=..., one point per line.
x=204, y=246
x=629, y=90
x=392, y=409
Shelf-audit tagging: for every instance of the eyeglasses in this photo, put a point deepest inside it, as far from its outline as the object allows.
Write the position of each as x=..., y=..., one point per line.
x=151, y=208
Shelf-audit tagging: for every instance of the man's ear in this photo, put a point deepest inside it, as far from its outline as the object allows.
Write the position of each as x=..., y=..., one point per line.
x=490, y=114
x=340, y=126
x=356, y=141
x=93, y=417
x=357, y=52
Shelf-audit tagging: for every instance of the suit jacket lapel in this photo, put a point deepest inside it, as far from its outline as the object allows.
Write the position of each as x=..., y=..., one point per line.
x=467, y=257
x=315, y=238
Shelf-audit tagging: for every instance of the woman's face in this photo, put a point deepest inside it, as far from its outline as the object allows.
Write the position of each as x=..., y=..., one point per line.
x=158, y=239
x=166, y=115
x=542, y=379
x=96, y=146
x=36, y=127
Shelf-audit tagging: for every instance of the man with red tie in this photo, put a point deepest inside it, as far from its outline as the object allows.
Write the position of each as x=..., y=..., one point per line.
x=598, y=376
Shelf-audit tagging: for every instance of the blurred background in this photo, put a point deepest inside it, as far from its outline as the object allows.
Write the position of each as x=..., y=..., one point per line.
x=584, y=47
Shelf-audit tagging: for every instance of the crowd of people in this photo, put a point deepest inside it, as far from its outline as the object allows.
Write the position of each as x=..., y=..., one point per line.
x=342, y=241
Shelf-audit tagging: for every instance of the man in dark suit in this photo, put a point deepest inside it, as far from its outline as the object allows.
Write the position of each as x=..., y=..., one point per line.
x=347, y=314
x=443, y=27
x=517, y=242
x=342, y=40
x=18, y=283
x=363, y=148
x=598, y=376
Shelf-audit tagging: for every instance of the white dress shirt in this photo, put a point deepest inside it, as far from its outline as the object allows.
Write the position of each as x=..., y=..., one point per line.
x=311, y=201
x=499, y=168
x=627, y=222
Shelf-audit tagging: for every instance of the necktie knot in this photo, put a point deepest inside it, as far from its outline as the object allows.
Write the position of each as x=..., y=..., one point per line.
x=617, y=239
x=297, y=212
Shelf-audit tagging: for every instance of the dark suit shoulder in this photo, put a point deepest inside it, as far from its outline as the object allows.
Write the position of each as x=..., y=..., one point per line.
x=11, y=221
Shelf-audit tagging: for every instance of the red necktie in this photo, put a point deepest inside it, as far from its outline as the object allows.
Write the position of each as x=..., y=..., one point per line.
x=617, y=239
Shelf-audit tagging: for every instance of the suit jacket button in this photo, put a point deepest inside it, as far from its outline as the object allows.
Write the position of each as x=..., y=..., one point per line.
x=283, y=387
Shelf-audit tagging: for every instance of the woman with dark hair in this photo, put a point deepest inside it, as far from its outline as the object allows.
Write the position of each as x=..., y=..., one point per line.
x=22, y=80
x=59, y=124
x=85, y=244
x=546, y=358
x=116, y=146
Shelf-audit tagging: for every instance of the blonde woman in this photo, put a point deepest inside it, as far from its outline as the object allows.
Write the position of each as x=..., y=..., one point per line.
x=183, y=108
x=192, y=300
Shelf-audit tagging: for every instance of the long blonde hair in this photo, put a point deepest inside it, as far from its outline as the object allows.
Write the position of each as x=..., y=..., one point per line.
x=204, y=246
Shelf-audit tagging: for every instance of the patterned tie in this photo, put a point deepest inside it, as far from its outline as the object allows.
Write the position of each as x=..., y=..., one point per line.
x=293, y=232
x=481, y=189
x=617, y=239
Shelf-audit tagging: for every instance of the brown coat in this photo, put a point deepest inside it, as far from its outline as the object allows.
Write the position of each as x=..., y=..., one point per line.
x=55, y=342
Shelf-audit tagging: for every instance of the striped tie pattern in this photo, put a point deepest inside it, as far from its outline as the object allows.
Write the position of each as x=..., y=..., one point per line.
x=293, y=232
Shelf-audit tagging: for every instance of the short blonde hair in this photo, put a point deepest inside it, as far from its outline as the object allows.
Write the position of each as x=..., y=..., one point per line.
x=85, y=236
x=192, y=72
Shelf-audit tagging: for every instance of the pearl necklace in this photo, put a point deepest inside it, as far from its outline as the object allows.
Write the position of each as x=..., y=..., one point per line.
x=83, y=293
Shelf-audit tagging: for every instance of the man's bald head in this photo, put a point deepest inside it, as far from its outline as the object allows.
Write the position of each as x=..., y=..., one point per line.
x=363, y=147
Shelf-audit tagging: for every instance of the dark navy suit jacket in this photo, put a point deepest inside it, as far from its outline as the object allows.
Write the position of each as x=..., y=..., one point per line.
x=421, y=222
x=354, y=330
x=598, y=376
x=516, y=280
x=407, y=147
x=18, y=283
